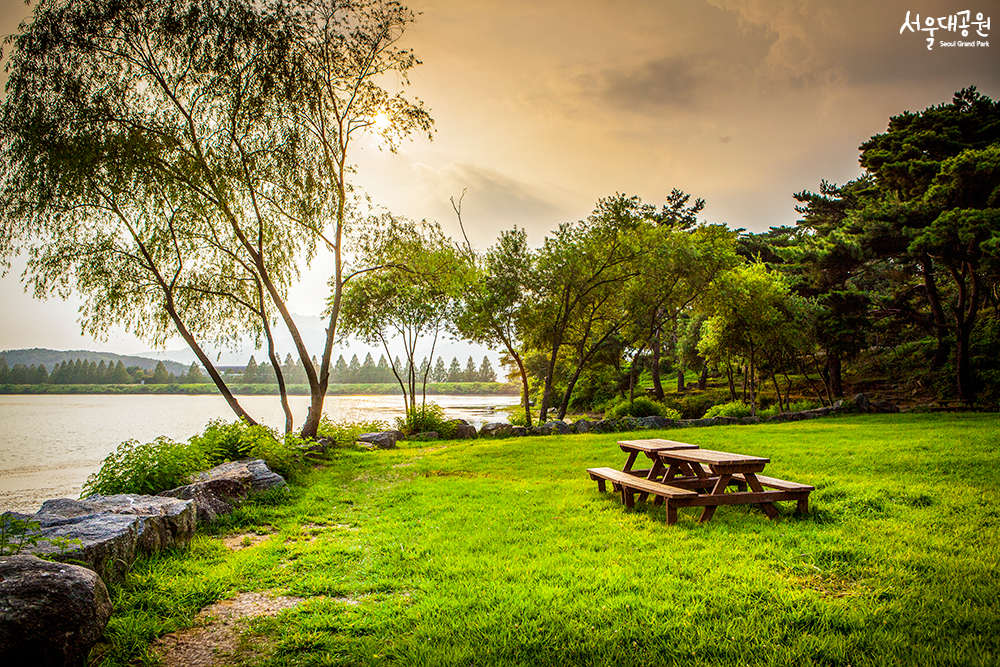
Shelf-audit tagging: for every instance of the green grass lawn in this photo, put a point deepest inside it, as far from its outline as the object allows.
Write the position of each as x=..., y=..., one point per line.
x=504, y=553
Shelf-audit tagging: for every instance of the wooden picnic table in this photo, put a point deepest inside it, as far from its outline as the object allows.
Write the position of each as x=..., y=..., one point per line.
x=648, y=447
x=693, y=477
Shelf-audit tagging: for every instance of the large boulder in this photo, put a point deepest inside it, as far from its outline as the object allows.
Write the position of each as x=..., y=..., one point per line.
x=581, y=426
x=51, y=614
x=253, y=473
x=656, y=421
x=861, y=403
x=496, y=430
x=379, y=440
x=559, y=426
x=106, y=533
x=212, y=498
x=465, y=431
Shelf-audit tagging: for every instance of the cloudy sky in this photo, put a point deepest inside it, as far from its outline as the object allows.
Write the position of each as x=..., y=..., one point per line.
x=544, y=106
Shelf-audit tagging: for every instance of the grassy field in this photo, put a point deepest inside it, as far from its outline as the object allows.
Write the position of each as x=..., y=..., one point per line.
x=504, y=553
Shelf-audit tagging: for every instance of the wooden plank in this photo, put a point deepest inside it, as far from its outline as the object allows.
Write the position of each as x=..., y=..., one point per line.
x=736, y=498
x=652, y=445
x=638, y=484
x=769, y=509
x=775, y=483
x=711, y=457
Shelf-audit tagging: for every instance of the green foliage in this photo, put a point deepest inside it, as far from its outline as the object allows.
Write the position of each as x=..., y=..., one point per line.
x=642, y=406
x=146, y=468
x=346, y=433
x=737, y=409
x=16, y=534
x=222, y=441
x=427, y=417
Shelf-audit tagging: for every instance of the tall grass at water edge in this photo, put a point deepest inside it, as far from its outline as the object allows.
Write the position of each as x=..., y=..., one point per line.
x=504, y=553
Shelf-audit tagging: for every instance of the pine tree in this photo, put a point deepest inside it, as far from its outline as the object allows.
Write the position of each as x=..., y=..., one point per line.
x=119, y=375
x=41, y=375
x=160, y=374
x=4, y=371
x=440, y=373
x=339, y=374
x=194, y=374
x=384, y=373
x=353, y=370
x=102, y=374
x=367, y=372
x=486, y=372
x=454, y=371
x=470, y=373
x=250, y=372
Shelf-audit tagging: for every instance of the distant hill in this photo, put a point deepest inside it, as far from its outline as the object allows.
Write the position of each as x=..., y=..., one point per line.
x=49, y=358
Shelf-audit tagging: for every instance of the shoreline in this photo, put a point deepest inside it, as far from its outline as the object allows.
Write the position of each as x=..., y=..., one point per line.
x=433, y=389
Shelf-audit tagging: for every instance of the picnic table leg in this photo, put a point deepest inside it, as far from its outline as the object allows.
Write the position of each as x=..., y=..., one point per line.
x=754, y=483
x=720, y=487
x=671, y=513
x=628, y=497
x=656, y=470
x=630, y=461
x=802, y=506
x=600, y=485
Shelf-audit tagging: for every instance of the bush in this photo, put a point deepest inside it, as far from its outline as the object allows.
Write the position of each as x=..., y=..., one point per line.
x=346, y=434
x=642, y=406
x=148, y=468
x=222, y=441
x=737, y=409
x=427, y=417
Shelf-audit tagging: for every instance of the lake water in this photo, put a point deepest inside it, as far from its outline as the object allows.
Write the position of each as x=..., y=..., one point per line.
x=50, y=444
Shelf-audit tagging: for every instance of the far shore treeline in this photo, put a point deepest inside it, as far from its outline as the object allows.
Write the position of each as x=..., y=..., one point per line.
x=368, y=377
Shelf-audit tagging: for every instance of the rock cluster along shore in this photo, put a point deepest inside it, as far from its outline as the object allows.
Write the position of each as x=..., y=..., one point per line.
x=53, y=613
x=860, y=404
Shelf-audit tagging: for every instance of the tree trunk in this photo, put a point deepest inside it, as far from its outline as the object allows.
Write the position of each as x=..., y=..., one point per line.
x=732, y=381
x=940, y=321
x=833, y=370
x=965, y=320
x=703, y=377
x=655, y=349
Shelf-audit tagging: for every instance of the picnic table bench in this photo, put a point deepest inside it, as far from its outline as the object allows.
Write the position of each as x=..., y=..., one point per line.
x=693, y=477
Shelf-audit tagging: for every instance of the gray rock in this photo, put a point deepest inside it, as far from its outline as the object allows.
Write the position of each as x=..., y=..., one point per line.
x=656, y=421
x=604, y=426
x=518, y=431
x=541, y=429
x=632, y=424
x=581, y=426
x=380, y=440
x=750, y=420
x=212, y=498
x=496, y=430
x=51, y=614
x=725, y=421
x=427, y=435
x=861, y=403
x=112, y=530
x=884, y=407
x=466, y=431
x=253, y=472
x=559, y=426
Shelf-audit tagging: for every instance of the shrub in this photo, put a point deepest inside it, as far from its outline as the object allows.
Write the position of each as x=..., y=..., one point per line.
x=346, y=433
x=427, y=417
x=146, y=468
x=737, y=409
x=642, y=406
x=222, y=441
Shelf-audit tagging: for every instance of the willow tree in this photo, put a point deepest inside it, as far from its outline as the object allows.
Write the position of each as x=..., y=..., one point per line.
x=210, y=142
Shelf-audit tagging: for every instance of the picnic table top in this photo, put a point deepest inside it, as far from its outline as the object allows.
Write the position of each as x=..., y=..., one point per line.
x=710, y=457
x=653, y=445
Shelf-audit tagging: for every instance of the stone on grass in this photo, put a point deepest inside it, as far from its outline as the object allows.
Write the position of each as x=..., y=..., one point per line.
x=213, y=498
x=656, y=421
x=496, y=430
x=251, y=472
x=51, y=614
x=581, y=426
x=111, y=530
x=465, y=431
x=379, y=440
